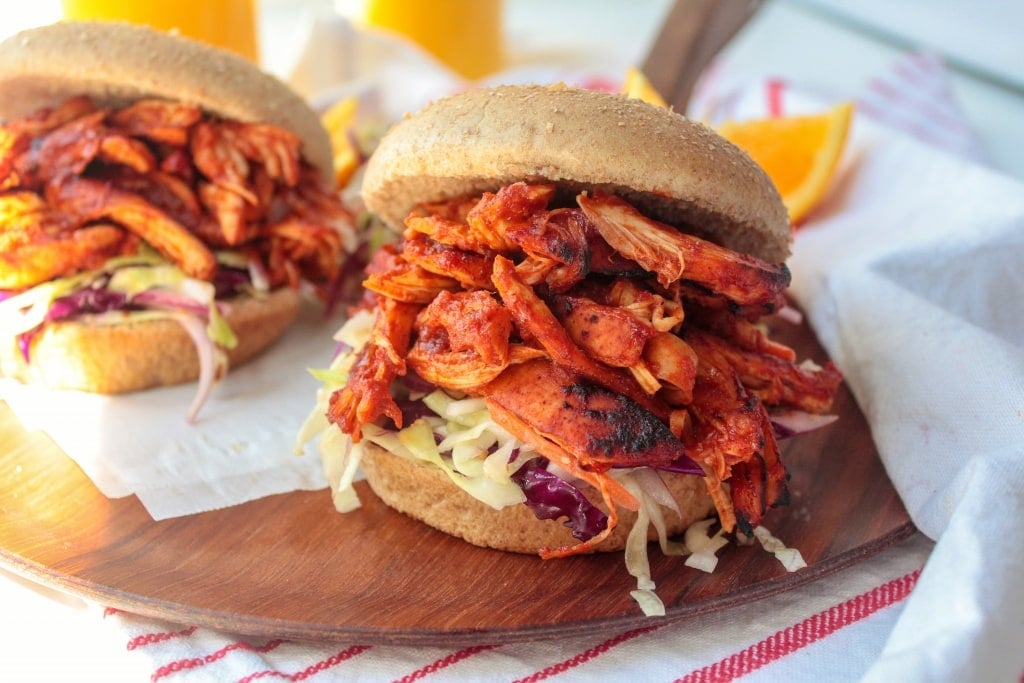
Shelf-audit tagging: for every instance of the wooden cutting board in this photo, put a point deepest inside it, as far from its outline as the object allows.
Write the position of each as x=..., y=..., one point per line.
x=289, y=566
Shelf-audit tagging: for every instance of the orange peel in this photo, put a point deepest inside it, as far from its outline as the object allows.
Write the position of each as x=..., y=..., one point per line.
x=339, y=119
x=799, y=153
x=637, y=86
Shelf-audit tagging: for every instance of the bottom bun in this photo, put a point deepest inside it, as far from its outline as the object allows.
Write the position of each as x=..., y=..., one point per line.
x=426, y=493
x=113, y=358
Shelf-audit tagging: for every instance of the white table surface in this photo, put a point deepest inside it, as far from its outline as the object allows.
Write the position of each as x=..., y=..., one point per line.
x=806, y=41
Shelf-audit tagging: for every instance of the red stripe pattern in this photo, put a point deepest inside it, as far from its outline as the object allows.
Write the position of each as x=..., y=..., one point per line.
x=322, y=665
x=586, y=655
x=444, y=663
x=196, y=662
x=774, y=90
x=789, y=640
x=916, y=97
x=773, y=648
x=153, y=638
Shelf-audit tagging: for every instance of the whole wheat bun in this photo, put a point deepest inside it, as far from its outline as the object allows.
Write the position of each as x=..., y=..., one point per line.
x=117, y=63
x=671, y=168
x=113, y=358
x=427, y=494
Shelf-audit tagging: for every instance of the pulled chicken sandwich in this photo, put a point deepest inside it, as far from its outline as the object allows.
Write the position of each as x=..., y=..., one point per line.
x=162, y=202
x=562, y=351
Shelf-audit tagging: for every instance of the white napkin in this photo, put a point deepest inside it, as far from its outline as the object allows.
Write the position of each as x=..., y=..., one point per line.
x=921, y=307
x=391, y=77
x=911, y=275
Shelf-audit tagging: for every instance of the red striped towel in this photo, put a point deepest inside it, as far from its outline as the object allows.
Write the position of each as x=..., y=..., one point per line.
x=914, y=97
x=847, y=615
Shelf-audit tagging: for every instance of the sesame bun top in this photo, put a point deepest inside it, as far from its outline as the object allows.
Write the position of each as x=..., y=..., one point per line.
x=671, y=168
x=116, y=63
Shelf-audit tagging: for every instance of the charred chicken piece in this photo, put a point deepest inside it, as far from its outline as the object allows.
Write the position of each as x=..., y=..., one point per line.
x=595, y=334
x=169, y=175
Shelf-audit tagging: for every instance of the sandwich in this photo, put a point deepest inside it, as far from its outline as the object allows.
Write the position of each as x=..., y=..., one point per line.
x=562, y=351
x=164, y=207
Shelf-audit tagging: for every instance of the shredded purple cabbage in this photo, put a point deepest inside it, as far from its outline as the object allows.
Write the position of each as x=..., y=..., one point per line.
x=684, y=464
x=413, y=410
x=347, y=287
x=790, y=423
x=416, y=384
x=99, y=299
x=550, y=497
x=170, y=301
x=90, y=300
x=228, y=281
x=25, y=342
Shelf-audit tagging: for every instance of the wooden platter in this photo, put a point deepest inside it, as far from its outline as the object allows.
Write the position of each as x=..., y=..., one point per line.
x=289, y=566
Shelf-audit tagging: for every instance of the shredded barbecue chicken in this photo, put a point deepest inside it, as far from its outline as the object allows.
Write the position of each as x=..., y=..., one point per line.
x=597, y=335
x=80, y=184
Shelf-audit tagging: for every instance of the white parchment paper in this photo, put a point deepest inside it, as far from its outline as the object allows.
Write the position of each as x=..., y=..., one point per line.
x=241, y=448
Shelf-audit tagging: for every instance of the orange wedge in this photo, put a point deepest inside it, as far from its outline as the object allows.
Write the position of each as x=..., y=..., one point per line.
x=339, y=120
x=799, y=153
x=637, y=86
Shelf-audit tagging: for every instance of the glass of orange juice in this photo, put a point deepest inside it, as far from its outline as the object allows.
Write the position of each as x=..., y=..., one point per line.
x=464, y=34
x=229, y=24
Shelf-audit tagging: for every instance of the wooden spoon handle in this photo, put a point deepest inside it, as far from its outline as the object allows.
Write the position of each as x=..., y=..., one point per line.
x=693, y=33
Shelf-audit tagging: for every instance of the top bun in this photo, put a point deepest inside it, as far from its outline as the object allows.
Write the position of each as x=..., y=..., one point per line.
x=674, y=170
x=117, y=63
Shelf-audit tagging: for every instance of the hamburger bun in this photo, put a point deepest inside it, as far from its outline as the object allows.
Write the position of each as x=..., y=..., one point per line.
x=113, y=358
x=672, y=169
x=426, y=493
x=118, y=63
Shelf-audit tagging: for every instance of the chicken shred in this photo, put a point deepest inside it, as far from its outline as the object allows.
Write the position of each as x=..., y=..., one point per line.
x=166, y=174
x=595, y=334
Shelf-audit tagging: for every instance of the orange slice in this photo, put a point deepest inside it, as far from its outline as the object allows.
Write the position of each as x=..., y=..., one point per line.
x=339, y=120
x=799, y=153
x=637, y=86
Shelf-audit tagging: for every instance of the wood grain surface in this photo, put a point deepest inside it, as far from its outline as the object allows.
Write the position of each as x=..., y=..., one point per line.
x=289, y=566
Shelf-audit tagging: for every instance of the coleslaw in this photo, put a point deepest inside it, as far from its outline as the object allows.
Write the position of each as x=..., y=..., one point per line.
x=457, y=435
x=136, y=288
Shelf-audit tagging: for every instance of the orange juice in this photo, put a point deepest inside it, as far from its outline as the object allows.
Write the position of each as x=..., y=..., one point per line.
x=464, y=34
x=229, y=24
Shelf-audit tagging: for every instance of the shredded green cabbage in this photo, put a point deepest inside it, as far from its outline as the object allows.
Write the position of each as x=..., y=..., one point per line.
x=129, y=275
x=418, y=439
x=27, y=310
x=479, y=456
x=790, y=558
x=133, y=280
x=132, y=275
x=702, y=546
